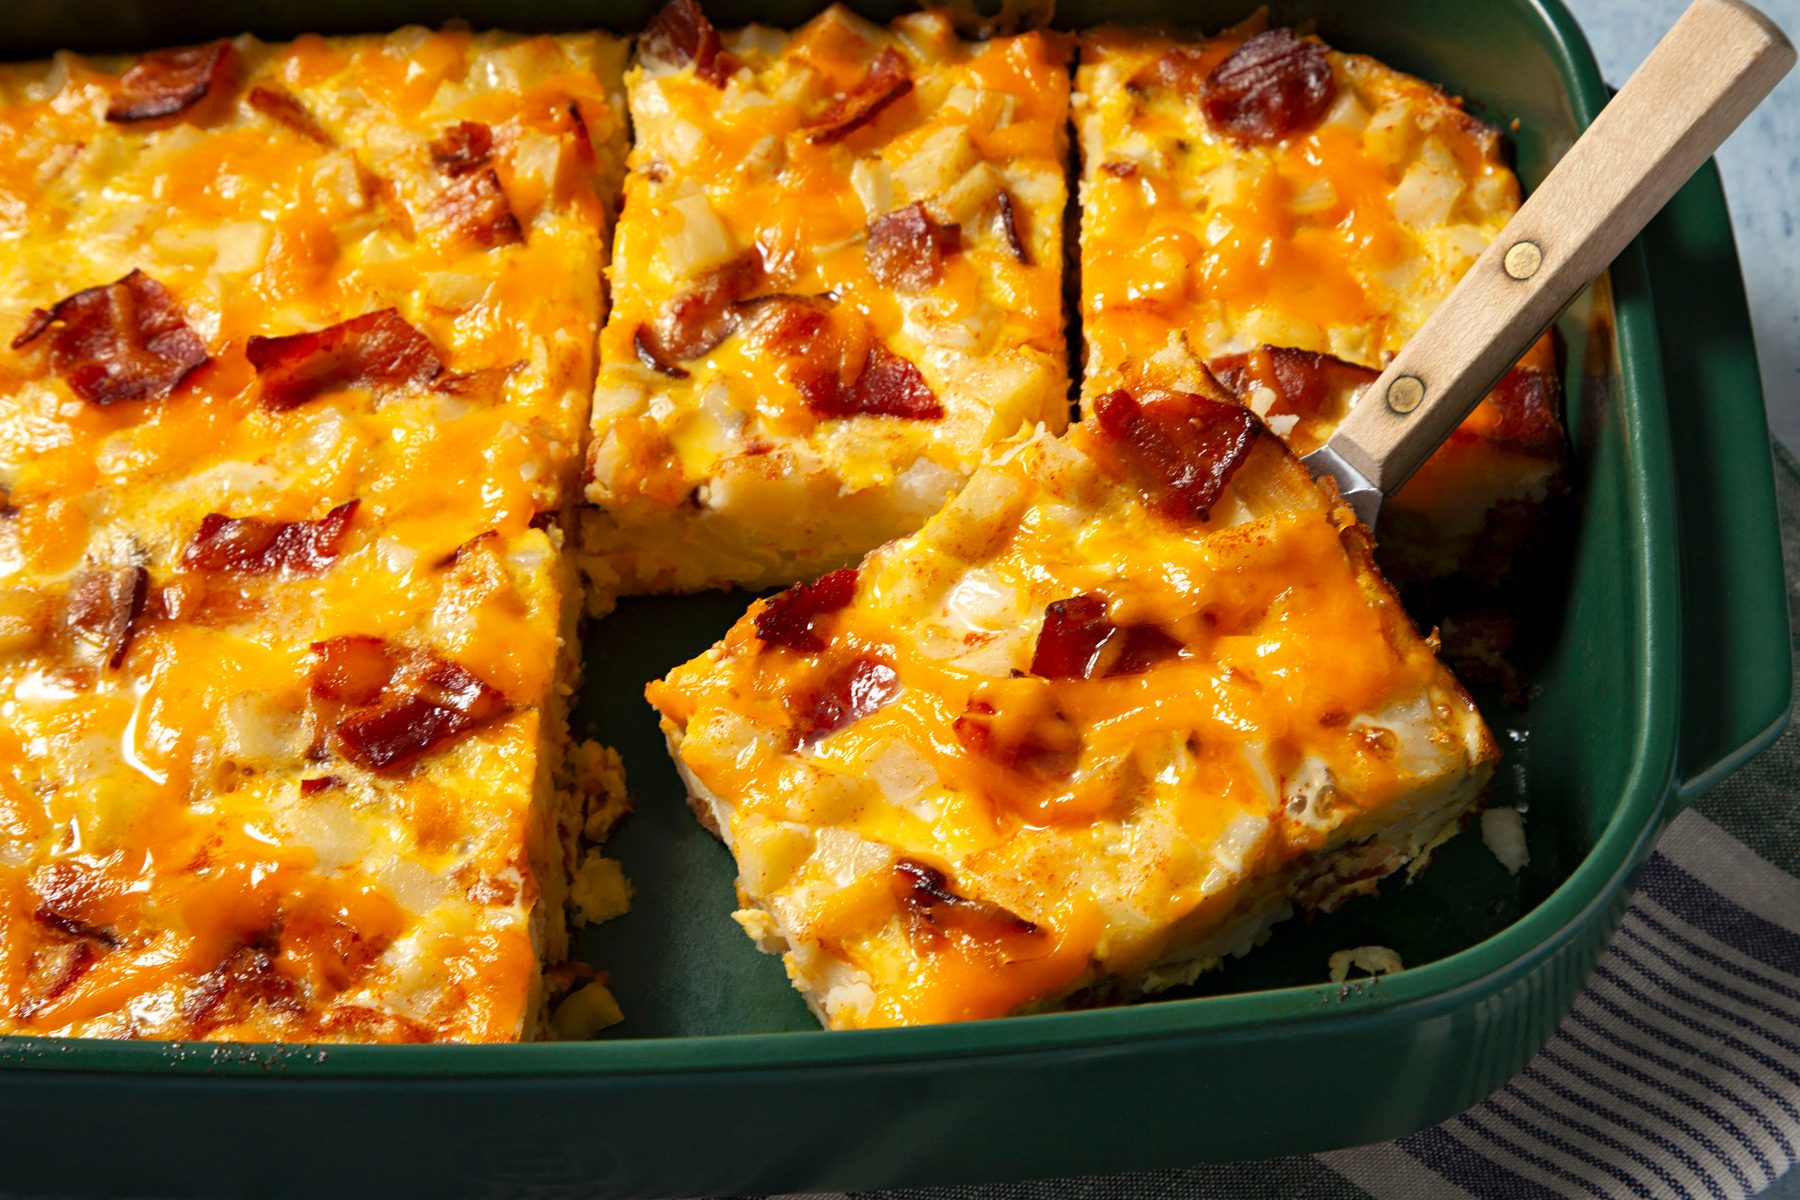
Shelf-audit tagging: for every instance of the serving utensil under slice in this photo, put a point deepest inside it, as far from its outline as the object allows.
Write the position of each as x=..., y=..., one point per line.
x=1712, y=68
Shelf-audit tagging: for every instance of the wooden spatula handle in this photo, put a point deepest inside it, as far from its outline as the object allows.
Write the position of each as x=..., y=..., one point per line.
x=1717, y=63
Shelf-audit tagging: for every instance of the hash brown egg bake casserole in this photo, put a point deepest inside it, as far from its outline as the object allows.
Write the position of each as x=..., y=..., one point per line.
x=323, y=413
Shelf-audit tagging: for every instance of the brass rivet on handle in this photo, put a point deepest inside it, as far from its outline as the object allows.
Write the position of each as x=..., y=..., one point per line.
x=1523, y=259
x=1405, y=393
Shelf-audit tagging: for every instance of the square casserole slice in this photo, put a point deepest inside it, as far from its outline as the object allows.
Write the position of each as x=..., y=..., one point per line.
x=1288, y=215
x=1130, y=698
x=837, y=281
x=287, y=424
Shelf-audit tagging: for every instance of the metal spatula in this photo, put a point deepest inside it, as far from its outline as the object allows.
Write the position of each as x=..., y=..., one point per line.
x=1709, y=71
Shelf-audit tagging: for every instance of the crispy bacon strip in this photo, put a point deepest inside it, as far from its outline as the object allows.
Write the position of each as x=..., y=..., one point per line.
x=646, y=344
x=850, y=693
x=1273, y=85
x=126, y=340
x=887, y=386
x=103, y=608
x=838, y=366
x=680, y=33
x=1009, y=226
x=906, y=248
x=791, y=619
x=168, y=82
x=886, y=81
x=390, y=704
x=253, y=546
x=354, y=669
x=1304, y=381
x=376, y=350
x=927, y=896
x=1183, y=448
x=1525, y=398
x=1022, y=729
x=247, y=980
x=52, y=970
x=466, y=147
x=1079, y=641
x=700, y=318
x=283, y=107
x=476, y=208
x=584, y=141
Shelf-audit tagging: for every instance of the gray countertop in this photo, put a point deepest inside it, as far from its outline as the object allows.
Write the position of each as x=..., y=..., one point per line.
x=1761, y=164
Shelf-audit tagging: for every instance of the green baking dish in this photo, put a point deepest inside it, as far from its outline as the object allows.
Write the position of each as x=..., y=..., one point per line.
x=1659, y=674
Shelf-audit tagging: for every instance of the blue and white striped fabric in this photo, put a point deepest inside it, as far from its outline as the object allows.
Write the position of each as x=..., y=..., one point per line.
x=1676, y=1074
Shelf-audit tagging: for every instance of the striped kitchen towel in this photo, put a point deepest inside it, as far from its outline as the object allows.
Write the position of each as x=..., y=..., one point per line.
x=1676, y=1074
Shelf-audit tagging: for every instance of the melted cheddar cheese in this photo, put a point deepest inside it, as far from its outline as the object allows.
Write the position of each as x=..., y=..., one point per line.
x=187, y=852
x=1338, y=238
x=934, y=820
x=716, y=465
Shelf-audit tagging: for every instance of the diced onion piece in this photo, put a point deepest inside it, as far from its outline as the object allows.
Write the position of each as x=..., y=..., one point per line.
x=1376, y=960
x=703, y=241
x=1503, y=833
x=1428, y=191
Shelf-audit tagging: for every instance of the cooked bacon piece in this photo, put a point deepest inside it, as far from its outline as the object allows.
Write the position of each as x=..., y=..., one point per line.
x=1181, y=70
x=253, y=546
x=71, y=950
x=907, y=249
x=1018, y=724
x=484, y=385
x=886, y=81
x=680, y=33
x=248, y=979
x=281, y=106
x=926, y=895
x=126, y=340
x=391, y=704
x=466, y=146
x=1009, y=225
x=75, y=927
x=701, y=317
x=887, y=386
x=476, y=208
x=1119, y=170
x=104, y=605
x=791, y=619
x=1526, y=401
x=168, y=81
x=1304, y=381
x=1184, y=448
x=318, y=783
x=799, y=331
x=1068, y=646
x=376, y=350
x=584, y=142
x=1273, y=85
x=452, y=701
x=645, y=342
x=849, y=693
x=1079, y=641
x=52, y=970
x=838, y=366
x=354, y=669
